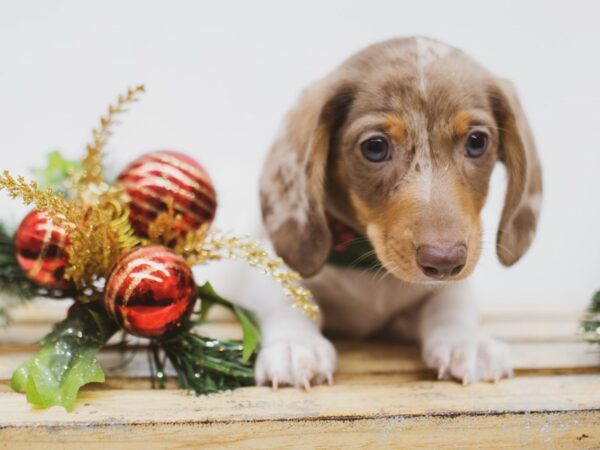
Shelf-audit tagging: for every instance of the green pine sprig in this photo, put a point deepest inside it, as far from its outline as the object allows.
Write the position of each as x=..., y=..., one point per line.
x=202, y=364
x=590, y=324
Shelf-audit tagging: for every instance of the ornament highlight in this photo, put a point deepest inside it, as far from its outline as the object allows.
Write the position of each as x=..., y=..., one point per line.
x=162, y=180
x=41, y=245
x=150, y=291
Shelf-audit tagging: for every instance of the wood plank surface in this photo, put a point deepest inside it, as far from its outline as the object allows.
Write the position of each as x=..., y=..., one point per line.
x=383, y=397
x=559, y=430
x=518, y=412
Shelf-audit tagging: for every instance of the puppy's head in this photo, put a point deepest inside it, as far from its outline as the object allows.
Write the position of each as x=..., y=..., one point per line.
x=399, y=142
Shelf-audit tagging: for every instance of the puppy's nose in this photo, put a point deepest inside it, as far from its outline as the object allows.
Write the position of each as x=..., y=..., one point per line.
x=439, y=262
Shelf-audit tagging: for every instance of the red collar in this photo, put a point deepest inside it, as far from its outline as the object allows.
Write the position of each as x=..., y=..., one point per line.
x=349, y=248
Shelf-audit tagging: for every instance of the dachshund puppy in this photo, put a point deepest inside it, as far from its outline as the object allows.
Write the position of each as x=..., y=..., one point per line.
x=373, y=192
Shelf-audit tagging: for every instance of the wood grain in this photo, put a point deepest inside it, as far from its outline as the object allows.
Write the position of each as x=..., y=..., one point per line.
x=560, y=430
x=383, y=397
x=522, y=411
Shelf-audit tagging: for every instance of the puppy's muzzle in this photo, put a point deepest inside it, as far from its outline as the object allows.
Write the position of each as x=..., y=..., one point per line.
x=441, y=262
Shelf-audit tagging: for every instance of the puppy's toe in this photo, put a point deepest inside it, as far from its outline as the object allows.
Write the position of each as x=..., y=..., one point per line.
x=288, y=362
x=463, y=361
x=493, y=360
x=467, y=356
x=436, y=355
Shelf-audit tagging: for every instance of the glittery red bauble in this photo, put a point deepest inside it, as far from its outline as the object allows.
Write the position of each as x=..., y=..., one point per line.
x=41, y=250
x=150, y=291
x=156, y=177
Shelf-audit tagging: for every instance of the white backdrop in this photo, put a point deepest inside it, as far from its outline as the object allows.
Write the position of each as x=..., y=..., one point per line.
x=220, y=75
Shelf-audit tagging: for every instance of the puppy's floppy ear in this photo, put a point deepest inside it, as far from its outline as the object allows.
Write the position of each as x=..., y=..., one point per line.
x=293, y=179
x=524, y=192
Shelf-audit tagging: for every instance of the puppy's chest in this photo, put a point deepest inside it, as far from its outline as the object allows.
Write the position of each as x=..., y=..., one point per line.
x=359, y=303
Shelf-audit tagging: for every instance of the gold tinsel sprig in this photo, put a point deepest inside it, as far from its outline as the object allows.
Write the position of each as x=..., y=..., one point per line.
x=97, y=236
x=199, y=247
x=99, y=239
x=165, y=228
x=30, y=192
x=92, y=167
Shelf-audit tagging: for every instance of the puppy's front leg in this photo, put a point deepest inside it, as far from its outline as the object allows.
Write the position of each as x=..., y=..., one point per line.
x=453, y=344
x=293, y=350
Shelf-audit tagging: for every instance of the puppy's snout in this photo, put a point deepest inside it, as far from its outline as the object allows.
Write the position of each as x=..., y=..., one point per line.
x=440, y=262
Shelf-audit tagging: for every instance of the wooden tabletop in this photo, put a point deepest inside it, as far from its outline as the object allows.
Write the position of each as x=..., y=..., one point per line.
x=383, y=397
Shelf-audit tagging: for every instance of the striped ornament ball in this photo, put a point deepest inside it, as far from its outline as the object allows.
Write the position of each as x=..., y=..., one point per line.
x=40, y=246
x=155, y=179
x=150, y=291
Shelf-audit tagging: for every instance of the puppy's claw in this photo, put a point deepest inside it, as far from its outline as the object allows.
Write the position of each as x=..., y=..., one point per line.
x=330, y=379
x=306, y=385
x=441, y=372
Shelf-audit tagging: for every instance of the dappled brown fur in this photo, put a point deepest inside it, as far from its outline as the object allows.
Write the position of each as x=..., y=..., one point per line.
x=425, y=97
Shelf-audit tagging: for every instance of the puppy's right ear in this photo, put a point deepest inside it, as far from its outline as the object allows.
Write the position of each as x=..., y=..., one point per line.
x=293, y=178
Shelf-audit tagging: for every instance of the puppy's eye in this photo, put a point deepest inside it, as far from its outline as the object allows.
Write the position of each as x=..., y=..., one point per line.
x=476, y=144
x=376, y=149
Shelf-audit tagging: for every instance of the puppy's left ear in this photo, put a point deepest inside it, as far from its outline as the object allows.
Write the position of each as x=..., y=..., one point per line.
x=292, y=187
x=517, y=151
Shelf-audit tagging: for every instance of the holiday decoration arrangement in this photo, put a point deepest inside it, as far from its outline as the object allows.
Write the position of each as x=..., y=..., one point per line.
x=123, y=252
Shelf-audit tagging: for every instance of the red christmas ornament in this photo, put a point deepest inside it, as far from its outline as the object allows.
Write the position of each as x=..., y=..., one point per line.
x=153, y=179
x=41, y=250
x=150, y=291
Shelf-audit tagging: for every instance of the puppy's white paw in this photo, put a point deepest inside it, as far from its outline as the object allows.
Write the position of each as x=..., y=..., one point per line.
x=296, y=362
x=469, y=356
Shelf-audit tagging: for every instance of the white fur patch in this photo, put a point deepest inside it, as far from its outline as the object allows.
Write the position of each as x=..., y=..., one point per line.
x=427, y=52
x=424, y=183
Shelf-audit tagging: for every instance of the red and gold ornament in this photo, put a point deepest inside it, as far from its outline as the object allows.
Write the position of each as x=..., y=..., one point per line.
x=155, y=179
x=41, y=245
x=150, y=291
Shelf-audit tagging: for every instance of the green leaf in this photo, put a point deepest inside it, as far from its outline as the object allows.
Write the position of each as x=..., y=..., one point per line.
x=208, y=299
x=247, y=319
x=207, y=292
x=250, y=329
x=67, y=360
x=56, y=172
x=46, y=386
